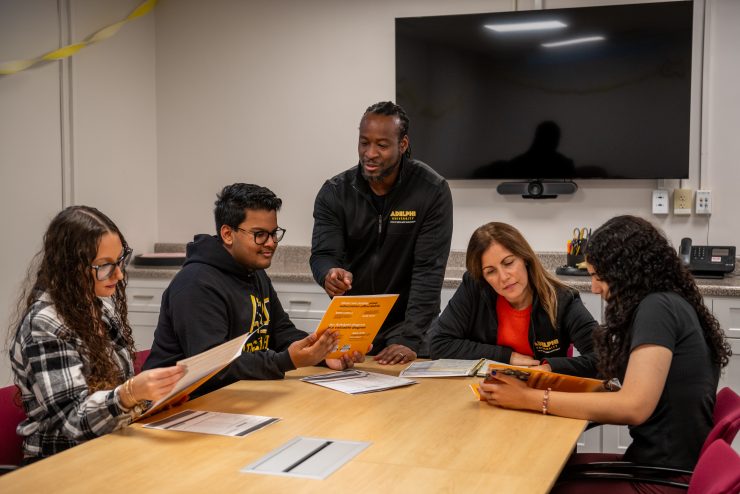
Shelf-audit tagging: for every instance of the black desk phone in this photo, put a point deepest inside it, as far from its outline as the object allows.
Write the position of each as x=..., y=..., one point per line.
x=707, y=261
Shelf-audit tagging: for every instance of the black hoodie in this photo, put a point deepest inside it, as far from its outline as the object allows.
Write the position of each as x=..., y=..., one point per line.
x=214, y=299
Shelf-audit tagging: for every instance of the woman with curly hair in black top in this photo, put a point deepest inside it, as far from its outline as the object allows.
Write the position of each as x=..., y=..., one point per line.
x=659, y=339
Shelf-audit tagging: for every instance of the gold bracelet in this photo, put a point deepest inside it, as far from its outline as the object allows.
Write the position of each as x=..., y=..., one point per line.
x=545, y=400
x=131, y=391
x=126, y=392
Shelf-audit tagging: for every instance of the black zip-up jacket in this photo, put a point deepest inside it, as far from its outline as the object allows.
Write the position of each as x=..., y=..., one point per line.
x=402, y=249
x=468, y=329
x=214, y=299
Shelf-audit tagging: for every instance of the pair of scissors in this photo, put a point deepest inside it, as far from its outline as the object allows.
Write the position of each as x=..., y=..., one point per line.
x=580, y=239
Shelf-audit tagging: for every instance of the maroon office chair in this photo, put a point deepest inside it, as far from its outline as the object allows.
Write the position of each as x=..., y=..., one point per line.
x=727, y=401
x=726, y=425
x=726, y=418
x=717, y=471
x=11, y=414
x=141, y=357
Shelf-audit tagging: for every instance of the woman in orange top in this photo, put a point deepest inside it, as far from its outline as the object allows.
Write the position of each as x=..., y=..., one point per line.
x=510, y=309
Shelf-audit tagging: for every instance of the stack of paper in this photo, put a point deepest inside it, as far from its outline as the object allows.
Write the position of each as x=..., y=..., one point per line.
x=443, y=368
x=355, y=381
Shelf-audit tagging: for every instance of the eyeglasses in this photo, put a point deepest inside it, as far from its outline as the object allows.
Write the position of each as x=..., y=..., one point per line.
x=260, y=236
x=105, y=271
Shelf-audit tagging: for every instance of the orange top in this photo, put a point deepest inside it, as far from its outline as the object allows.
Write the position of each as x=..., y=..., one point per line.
x=513, y=327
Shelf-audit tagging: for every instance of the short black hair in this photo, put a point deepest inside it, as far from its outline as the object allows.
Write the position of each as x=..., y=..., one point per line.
x=391, y=109
x=236, y=198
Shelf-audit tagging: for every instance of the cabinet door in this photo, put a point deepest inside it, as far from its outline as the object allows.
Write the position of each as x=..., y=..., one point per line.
x=592, y=302
x=445, y=297
x=590, y=441
x=305, y=303
x=727, y=312
x=143, y=325
x=731, y=374
x=615, y=438
x=144, y=297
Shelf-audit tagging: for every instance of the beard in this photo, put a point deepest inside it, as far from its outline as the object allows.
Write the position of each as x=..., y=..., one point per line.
x=382, y=175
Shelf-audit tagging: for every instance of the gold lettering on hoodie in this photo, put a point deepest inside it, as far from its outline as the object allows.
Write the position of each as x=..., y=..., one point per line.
x=260, y=321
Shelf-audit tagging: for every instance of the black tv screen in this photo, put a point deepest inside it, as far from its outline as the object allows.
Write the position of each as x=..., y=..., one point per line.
x=591, y=92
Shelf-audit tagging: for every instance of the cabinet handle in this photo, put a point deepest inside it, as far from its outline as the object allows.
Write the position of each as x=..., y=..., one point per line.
x=144, y=297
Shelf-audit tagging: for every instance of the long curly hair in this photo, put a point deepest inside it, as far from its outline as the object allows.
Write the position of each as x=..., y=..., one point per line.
x=62, y=269
x=543, y=284
x=635, y=259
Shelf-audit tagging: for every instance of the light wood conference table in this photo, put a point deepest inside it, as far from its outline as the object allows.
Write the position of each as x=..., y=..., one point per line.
x=429, y=437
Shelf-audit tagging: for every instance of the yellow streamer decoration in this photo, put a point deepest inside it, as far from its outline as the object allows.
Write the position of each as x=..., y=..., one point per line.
x=16, y=66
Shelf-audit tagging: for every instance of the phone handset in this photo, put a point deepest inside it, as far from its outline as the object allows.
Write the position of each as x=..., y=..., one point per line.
x=684, y=251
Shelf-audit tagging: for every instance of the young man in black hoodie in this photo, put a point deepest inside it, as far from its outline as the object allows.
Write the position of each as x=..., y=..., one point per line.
x=385, y=226
x=223, y=292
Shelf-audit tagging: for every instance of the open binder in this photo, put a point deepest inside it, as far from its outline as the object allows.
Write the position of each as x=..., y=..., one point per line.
x=540, y=379
x=199, y=369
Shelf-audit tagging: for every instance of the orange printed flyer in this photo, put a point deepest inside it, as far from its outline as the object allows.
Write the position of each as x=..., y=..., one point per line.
x=357, y=318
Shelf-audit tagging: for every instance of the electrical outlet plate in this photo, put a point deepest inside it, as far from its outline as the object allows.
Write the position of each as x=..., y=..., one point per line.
x=660, y=201
x=703, y=202
x=681, y=201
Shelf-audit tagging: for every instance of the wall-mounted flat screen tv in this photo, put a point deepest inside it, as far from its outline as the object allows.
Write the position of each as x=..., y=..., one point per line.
x=590, y=92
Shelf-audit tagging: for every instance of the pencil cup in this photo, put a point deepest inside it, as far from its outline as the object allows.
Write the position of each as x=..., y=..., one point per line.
x=573, y=260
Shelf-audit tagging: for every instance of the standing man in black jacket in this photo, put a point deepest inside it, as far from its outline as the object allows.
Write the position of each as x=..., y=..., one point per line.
x=385, y=226
x=223, y=291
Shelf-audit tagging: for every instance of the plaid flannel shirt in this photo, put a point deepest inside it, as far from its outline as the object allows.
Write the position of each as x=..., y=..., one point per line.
x=61, y=411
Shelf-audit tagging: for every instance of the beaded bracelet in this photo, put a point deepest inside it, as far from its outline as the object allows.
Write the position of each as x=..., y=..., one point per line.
x=545, y=400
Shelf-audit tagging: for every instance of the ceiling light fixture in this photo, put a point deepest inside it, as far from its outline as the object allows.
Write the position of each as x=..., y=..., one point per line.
x=525, y=26
x=573, y=41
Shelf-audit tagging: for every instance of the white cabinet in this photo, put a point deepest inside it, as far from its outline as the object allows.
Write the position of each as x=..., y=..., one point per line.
x=593, y=304
x=305, y=303
x=591, y=441
x=144, y=297
x=615, y=438
x=727, y=312
x=605, y=438
x=445, y=297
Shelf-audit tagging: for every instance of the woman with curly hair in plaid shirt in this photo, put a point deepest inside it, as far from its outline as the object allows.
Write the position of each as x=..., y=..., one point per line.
x=72, y=351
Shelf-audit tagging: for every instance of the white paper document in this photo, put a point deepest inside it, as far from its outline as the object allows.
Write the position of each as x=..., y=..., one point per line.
x=443, y=368
x=355, y=381
x=223, y=424
x=202, y=365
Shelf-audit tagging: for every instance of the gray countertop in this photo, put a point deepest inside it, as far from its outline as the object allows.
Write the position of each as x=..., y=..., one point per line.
x=290, y=264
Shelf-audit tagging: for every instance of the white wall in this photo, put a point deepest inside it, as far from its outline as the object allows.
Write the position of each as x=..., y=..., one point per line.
x=30, y=142
x=272, y=92
x=722, y=107
x=114, y=119
x=91, y=121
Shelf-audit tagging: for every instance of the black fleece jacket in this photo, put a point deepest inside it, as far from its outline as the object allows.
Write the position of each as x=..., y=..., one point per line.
x=402, y=249
x=214, y=299
x=468, y=329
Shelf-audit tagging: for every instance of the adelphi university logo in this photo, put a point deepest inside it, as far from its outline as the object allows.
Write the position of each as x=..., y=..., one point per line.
x=401, y=216
x=547, y=346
